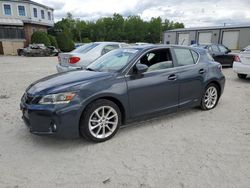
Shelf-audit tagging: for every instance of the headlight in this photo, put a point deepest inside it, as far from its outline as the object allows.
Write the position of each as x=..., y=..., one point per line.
x=59, y=98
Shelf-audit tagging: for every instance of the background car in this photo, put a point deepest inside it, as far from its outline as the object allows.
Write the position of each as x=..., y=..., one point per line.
x=246, y=49
x=38, y=50
x=119, y=87
x=241, y=65
x=82, y=56
x=219, y=52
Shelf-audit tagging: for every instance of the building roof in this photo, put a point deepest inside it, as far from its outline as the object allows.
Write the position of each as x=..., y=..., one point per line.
x=30, y=2
x=209, y=28
x=11, y=21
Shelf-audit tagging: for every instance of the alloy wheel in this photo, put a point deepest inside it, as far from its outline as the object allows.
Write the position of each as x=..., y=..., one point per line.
x=103, y=122
x=211, y=96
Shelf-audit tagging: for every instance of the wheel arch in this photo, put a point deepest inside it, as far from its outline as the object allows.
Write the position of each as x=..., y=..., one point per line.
x=114, y=100
x=217, y=84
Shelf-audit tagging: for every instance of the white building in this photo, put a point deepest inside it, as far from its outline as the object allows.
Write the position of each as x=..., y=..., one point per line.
x=18, y=20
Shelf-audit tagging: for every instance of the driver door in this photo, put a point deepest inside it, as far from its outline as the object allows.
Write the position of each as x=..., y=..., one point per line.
x=157, y=88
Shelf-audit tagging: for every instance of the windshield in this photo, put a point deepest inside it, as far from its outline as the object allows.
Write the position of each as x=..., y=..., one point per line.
x=85, y=48
x=113, y=61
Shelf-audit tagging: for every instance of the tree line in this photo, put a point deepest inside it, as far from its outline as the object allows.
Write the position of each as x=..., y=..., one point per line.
x=115, y=28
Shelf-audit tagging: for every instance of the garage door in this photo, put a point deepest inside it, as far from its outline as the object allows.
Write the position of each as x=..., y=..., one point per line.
x=231, y=39
x=205, y=38
x=183, y=39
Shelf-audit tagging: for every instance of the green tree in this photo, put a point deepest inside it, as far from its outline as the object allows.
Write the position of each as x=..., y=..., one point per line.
x=53, y=41
x=114, y=28
x=65, y=43
x=40, y=37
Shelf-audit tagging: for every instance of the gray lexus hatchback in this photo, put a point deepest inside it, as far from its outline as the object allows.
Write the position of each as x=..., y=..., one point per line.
x=121, y=86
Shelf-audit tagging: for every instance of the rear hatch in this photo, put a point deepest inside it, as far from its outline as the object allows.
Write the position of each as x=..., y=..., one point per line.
x=245, y=58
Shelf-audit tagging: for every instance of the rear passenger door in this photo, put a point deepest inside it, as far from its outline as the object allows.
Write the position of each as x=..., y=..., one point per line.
x=191, y=76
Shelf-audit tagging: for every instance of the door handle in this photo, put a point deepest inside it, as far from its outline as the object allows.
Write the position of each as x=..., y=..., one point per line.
x=172, y=77
x=202, y=71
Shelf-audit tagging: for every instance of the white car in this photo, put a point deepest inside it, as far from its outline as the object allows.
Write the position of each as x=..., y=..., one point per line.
x=241, y=64
x=82, y=56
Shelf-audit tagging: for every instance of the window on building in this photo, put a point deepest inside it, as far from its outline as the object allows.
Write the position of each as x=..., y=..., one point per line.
x=42, y=14
x=21, y=10
x=7, y=9
x=11, y=32
x=49, y=15
x=35, y=12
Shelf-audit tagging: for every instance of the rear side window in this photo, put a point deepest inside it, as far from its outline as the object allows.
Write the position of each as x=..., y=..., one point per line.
x=222, y=49
x=185, y=56
x=215, y=48
x=85, y=48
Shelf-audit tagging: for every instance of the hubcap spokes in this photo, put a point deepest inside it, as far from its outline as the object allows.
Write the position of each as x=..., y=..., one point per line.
x=103, y=122
x=211, y=97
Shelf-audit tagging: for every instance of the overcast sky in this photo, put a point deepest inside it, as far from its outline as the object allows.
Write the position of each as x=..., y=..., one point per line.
x=193, y=13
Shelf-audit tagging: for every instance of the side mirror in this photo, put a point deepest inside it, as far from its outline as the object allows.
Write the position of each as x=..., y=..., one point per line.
x=140, y=68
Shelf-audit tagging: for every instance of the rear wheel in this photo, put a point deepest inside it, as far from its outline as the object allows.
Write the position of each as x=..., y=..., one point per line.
x=210, y=97
x=100, y=121
x=242, y=76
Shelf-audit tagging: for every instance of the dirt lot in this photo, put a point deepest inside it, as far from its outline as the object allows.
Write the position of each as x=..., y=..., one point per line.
x=191, y=148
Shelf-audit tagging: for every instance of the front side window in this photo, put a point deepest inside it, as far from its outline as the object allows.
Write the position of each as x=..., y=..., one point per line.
x=157, y=60
x=109, y=48
x=42, y=14
x=184, y=56
x=7, y=9
x=113, y=61
x=21, y=10
x=35, y=12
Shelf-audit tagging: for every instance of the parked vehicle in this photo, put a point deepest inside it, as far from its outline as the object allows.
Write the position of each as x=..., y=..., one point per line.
x=121, y=86
x=38, y=50
x=241, y=64
x=246, y=49
x=82, y=56
x=219, y=52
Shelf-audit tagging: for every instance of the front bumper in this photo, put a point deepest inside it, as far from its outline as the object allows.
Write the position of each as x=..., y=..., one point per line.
x=241, y=68
x=61, y=121
x=61, y=68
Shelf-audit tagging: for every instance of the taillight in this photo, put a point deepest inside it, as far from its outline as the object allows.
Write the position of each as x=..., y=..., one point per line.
x=74, y=60
x=237, y=58
x=59, y=59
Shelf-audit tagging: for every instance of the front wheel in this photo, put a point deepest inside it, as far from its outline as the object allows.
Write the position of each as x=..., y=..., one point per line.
x=242, y=76
x=210, y=97
x=100, y=121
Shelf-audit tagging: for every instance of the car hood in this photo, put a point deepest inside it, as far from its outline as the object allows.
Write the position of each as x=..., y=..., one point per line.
x=63, y=82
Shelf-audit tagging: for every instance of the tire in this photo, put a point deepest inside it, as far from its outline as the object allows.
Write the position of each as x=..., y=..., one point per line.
x=97, y=125
x=242, y=76
x=210, y=97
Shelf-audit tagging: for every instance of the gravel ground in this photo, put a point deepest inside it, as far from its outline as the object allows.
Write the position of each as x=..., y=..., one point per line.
x=191, y=148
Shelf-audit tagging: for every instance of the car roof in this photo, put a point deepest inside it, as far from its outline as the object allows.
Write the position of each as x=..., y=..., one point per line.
x=153, y=46
x=106, y=42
